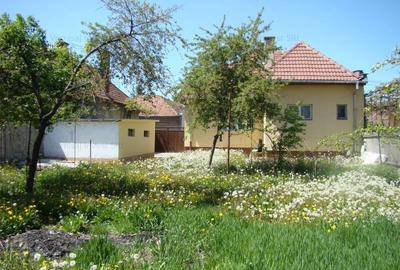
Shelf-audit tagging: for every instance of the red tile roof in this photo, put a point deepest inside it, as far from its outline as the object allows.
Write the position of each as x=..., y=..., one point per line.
x=160, y=106
x=304, y=63
x=114, y=94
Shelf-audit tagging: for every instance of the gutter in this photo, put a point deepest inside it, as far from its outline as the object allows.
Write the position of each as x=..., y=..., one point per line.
x=354, y=107
x=324, y=81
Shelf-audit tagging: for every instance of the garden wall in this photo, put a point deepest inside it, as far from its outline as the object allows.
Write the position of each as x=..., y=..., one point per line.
x=83, y=140
x=390, y=147
x=14, y=142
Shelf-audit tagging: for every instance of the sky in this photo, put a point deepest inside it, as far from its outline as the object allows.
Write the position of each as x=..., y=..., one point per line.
x=357, y=34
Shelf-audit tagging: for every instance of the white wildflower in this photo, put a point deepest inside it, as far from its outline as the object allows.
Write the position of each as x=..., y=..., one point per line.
x=37, y=256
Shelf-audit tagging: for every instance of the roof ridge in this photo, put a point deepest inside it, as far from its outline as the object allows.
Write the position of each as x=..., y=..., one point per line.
x=285, y=53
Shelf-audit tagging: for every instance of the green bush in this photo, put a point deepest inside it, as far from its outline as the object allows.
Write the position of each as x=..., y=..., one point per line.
x=98, y=178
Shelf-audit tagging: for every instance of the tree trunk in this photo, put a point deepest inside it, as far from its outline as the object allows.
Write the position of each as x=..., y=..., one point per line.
x=213, y=149
x=228, y=160
x=30, y=178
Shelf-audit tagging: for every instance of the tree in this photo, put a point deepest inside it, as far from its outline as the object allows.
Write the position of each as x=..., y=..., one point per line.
x=285, y=132
x=41, y=83
x=226, y=80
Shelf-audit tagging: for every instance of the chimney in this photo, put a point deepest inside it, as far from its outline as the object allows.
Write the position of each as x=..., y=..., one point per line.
x=360, y=75
x=105, y=69
x=269, y=41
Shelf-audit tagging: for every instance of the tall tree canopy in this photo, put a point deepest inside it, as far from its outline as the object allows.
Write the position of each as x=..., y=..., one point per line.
x=226, y=80
x=41, y=83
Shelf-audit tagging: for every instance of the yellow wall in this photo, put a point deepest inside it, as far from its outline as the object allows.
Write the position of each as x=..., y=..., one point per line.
x=137, y=146
x=323, y=97
x=204, y=138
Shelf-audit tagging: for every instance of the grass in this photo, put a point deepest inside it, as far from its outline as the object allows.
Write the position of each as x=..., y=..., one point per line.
x=202, y=239
x=98, y=251
x=201, y=224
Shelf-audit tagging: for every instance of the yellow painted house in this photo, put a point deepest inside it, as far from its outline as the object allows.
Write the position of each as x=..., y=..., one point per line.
x=331, y=98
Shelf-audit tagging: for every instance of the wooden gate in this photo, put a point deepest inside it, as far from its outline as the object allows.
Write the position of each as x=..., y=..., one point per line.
x=169, y=141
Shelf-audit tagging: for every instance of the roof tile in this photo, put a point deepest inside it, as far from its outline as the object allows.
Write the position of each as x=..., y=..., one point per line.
x=304, y=63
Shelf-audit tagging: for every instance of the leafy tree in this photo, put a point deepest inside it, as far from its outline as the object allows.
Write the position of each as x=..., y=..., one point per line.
x=386, y=97
x=41, y=83
x=226, y=80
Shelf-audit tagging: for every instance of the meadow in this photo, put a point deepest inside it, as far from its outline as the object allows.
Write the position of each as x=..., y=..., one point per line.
x=311, y=214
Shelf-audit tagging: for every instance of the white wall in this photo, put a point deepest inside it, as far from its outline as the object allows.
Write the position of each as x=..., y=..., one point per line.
x=390, y=147
x=59, y=141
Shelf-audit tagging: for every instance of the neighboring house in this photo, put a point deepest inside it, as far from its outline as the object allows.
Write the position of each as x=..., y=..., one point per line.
x=107, y=133
x=170, y=125
x=331, y=97
x=110, y=105
x=169, y=113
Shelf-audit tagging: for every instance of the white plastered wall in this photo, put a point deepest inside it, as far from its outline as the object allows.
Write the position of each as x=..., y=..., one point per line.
x=67, y=141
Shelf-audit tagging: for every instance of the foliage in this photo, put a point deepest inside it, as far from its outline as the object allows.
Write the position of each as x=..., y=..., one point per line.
x=33, y=73
x=385, y=99
x=285, y=132
x=226, y=82
x=342, y=142
x=133, y=105
x=42, y=83
x=15, y=218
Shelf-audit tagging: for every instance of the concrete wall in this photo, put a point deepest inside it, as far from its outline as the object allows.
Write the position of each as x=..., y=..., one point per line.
x=14, y=142
x=64, y=143
x=137, y=146
x=390, y=147
x=323, y=97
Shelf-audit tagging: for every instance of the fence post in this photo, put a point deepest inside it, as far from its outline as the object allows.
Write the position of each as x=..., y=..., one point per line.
x=75, y=143
x=379, y=147
x=90, y=151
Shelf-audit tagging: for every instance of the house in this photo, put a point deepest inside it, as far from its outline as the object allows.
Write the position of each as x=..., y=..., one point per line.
x=109, y=132
x=168, y=113
x=331, y=98
x=170, y=125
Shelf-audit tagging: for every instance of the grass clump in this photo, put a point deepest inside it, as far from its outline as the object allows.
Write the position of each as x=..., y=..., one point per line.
x=98, y=251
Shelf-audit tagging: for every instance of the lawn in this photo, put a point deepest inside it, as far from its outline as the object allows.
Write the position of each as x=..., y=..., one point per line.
x=312, y=214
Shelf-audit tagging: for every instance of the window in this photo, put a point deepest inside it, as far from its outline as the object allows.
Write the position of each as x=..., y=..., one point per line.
x=146, y=133
x=341, y=112
x=304, y=110
x=131, y=132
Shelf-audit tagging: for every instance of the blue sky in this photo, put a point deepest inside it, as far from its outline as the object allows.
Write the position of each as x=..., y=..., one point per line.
x=357, y=34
